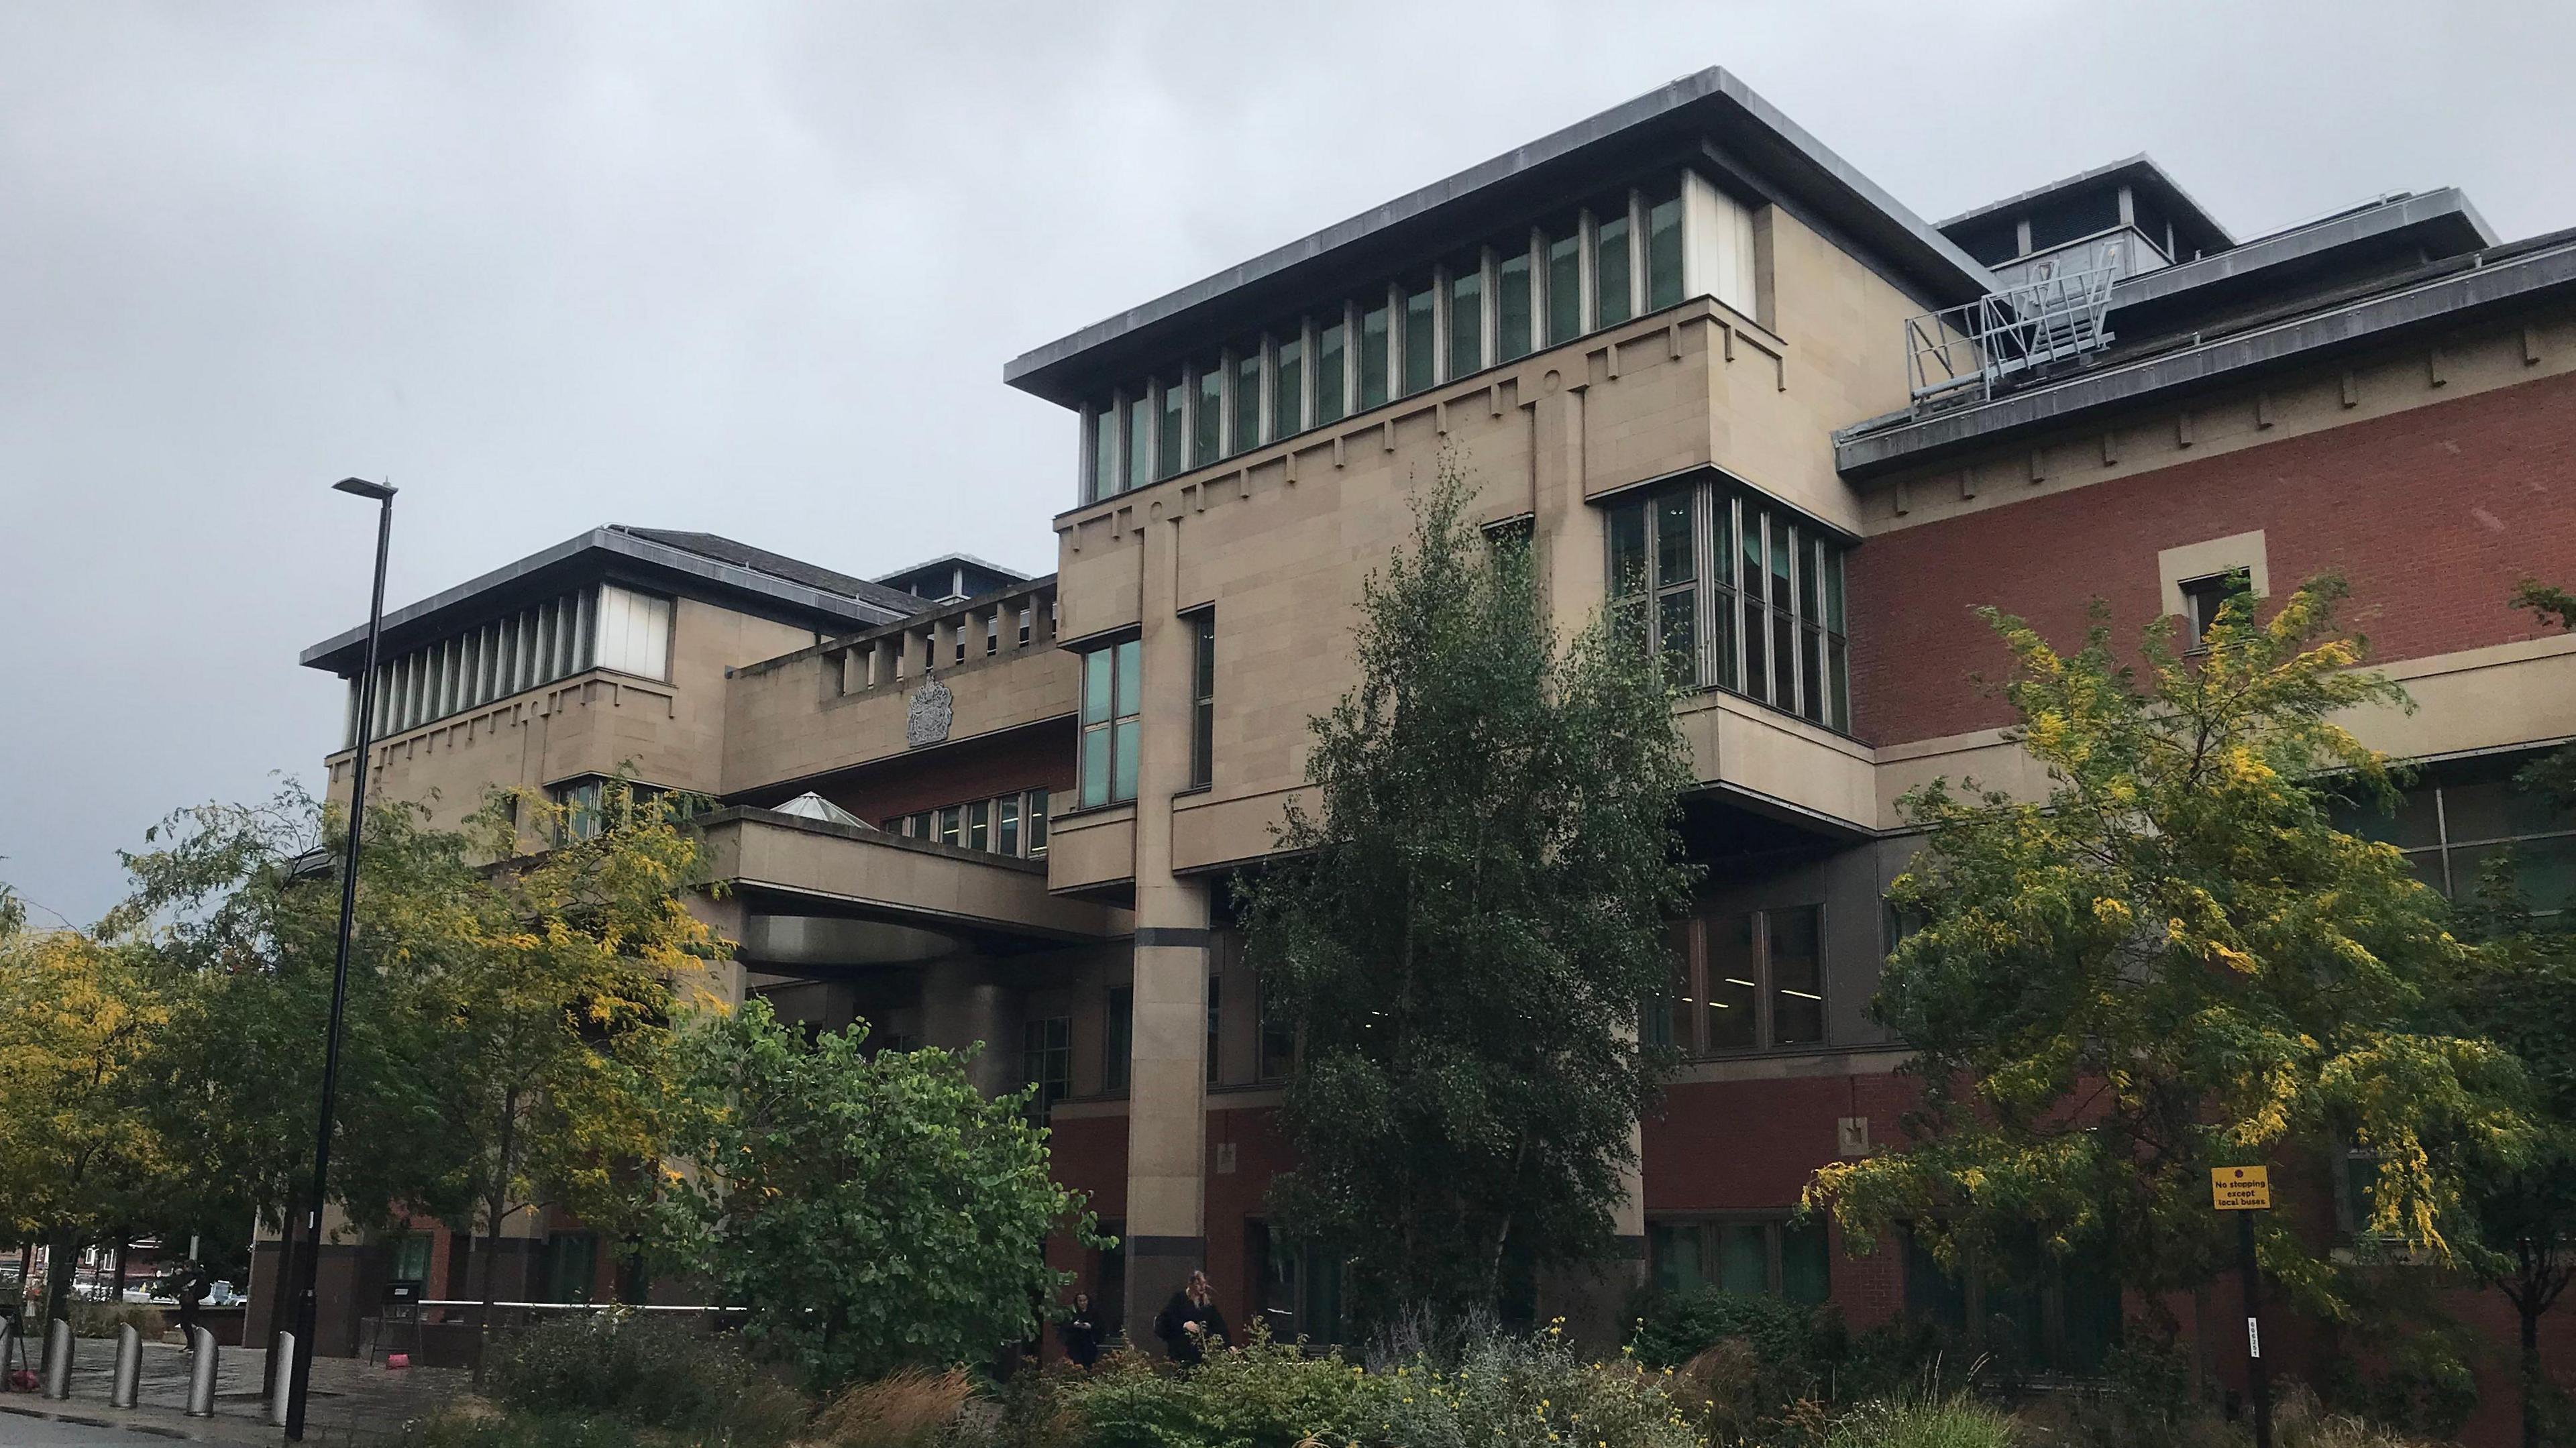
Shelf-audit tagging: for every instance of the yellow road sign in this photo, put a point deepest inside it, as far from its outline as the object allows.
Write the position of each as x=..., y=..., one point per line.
x=2240, y=1188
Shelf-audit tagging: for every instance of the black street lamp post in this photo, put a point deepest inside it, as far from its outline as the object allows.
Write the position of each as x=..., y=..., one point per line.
x=299, y=1385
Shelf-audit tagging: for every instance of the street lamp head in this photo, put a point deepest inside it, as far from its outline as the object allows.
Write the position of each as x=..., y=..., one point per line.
x=381, y=492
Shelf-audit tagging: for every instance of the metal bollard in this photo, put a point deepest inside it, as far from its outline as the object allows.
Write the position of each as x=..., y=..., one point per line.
x=126, y=1388
x=282, y=1384
x=58, y=1360
x=201, y=1374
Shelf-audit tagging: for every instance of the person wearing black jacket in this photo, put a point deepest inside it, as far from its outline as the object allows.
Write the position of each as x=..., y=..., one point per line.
x=1080, y=1333
x=1190, y=1323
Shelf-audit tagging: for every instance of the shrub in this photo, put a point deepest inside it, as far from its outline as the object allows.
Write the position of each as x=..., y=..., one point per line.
x=1674, y=1327
x=647, y=1372
x=910, y=1409
x=1957, y=1421
x=1527, y=1392
x=460, y=1429
x=102, y=1319
x=1262, y=1396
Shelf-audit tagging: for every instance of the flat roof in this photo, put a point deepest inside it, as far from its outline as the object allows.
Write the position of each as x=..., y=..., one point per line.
x=603, y=551
x=2140, y=172
x=1710, y=115
x=2431, y=298
x=2442, y=222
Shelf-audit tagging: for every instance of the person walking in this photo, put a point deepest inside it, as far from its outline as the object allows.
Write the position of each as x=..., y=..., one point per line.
x=1080, y=1333
x=1191, y=1322
x=192, y=1293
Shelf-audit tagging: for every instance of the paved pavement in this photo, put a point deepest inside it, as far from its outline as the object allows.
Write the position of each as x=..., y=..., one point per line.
x=353, y=1402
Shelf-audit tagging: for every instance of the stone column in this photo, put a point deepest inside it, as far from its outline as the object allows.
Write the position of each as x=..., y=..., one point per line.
x=1166, y=1231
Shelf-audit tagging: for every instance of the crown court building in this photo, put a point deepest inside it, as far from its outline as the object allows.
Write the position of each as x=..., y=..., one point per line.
x=1728, y=383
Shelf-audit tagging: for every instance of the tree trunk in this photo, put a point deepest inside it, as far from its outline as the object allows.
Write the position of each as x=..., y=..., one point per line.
x=62, y=1254
x=117, y=1295
x=2531, y=1372
x=499, y=1201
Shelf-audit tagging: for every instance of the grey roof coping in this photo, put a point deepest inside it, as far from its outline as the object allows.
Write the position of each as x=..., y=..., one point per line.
x=2140, y=167
x=761, y=560
x=968, y=559
x=341, y=652
x=2444, y=217
x=2463, y=289
x=1712, y=100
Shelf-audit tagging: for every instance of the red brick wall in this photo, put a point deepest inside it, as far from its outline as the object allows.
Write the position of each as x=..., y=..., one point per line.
x=2432, y=515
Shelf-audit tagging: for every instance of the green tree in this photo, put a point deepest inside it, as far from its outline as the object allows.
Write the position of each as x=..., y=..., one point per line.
x=234, y=913
x=571, y=1002
x=1465, y=929
x=2524, y=998
x=80, y=1155
x=2173, y=962
x=871, y=1211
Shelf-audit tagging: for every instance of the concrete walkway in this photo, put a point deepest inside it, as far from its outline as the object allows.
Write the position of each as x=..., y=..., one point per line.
x=352, y=1402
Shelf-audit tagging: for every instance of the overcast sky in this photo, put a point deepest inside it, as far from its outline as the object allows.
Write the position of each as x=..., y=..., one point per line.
x=755, y=269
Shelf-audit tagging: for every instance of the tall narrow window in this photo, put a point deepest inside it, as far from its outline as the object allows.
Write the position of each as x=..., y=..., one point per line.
x=1756, y=626
x=1773, y=628
x=1037, y=823
x=1247, y=398
x=1611, y=268
x=1104, y=450
x=1654, y=571
x=1203, y=700
x=1118, y=1038
x=1466, y=316
x=1006, y=825
x=1514, y=311
x=1140, y=441
x=1110, y=679
x=1046, y=1061
x=1421, y=335
x=952, y=825
x=1208, y=426
x=1215, y=1035
x=1172, y=451
x=1332, y=360
x=979, y=825
x=1377, y=328
x=1663, y=249
x=1734, y=993
x=634, y=632
x=1797, y=962
x=1288, y=386
x=1564, y=284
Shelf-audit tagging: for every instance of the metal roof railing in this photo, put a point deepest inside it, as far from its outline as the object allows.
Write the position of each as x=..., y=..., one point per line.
x=2022, y=327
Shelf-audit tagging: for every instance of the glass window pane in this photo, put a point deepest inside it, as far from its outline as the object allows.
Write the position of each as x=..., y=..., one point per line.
x=1095, y=765
x=1833, y=587
x=1743, y=1257
x=1140, y=442
x=2487, y=804
x=1512, y=312
x=1674, y=1246
x=1806, y=1265
x=1733, y=997
x=1838, y=681
x=1627, y=549
x=1376, y=335
x=1330, y=361
x=2544, y=871
x=1784, y=661
x=1721, y=533
x=1812, y=662
x=1677, y=629
x=1288, y=386
x=1247, y=399
x=1131, y=660
x=1755, y=635
x=1006, y=825
x=1721, y=643
x=951, y=822
x=1123, y=771
x=1095, y=686
x=1756, y=576
x=1174, y=445
x=1564, y=285
x=1610, y=269
x=1037, y=821
x=1664, y=252
x=979, y=825
x=1466, y=318
x=1421, y=337
x=1811, y=576
x=1676, y=556
x=1797, y=976
x=1208, y=442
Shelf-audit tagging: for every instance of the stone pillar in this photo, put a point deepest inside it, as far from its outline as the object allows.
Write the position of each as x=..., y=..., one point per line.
x=963, y=1002
x=1166, y=1231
